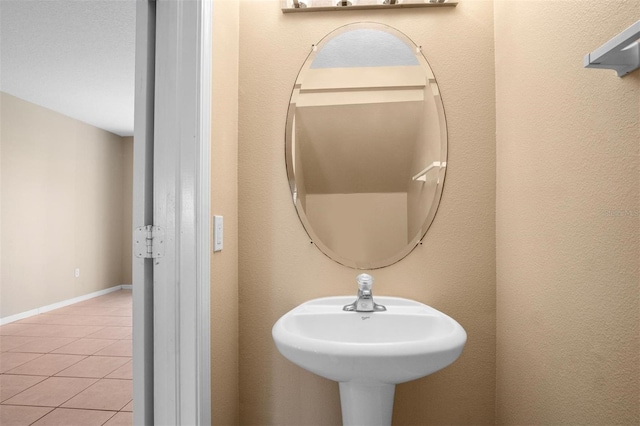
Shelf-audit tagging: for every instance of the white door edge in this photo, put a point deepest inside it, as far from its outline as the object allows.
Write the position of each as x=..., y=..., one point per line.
x=203, y=216
x=172, y=381
x=142, y=269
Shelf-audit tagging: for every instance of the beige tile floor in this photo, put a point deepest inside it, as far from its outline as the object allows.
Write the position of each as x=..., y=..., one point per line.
x=71, y=366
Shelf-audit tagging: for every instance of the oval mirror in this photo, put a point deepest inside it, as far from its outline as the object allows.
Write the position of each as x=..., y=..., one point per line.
x=366, y=145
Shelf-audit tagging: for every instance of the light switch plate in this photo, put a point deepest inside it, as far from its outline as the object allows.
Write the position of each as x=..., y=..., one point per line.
x=217, y=233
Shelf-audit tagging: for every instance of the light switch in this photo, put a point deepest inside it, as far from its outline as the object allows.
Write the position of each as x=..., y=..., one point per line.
x=217, y=233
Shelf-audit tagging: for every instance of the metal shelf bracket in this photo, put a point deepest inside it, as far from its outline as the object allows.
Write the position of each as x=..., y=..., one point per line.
x=621, y=53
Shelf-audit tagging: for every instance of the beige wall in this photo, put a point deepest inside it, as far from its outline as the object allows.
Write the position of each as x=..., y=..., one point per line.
x=454, y=270
x=364, y=228
x=127, y=210
x=224, y=201
x=568, y=255
x=62, y=207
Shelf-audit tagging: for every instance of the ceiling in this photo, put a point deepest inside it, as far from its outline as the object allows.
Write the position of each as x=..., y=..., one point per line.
x=74, y=57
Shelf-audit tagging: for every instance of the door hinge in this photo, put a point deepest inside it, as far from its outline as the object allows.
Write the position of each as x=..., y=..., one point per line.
x=148, y=242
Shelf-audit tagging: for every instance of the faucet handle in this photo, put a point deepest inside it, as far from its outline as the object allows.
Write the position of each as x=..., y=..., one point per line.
x=364, y=302
x=365, y=282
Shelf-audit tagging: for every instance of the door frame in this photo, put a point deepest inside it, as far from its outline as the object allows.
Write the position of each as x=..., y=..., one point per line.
x=171, y=299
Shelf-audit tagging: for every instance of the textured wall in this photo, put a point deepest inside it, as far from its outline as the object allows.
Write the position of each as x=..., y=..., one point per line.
x=568, y=241
x=454, y=270
x=224, y=201
x=62, y=207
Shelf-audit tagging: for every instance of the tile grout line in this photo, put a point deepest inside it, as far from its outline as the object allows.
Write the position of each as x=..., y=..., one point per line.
x=33, y=359
x=85, y=357
x=38, y=419
x=71, y=408
x=39, y=337
x=6, y=399
x=99, y=378
x=91, y=385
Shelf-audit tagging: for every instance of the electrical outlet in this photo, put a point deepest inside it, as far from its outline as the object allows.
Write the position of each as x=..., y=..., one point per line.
x=76, y=273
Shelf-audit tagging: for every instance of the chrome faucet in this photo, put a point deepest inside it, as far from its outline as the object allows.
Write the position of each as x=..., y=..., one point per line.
x=364, y=302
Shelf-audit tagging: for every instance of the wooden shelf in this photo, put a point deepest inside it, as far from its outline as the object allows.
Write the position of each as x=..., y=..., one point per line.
x=367, y=7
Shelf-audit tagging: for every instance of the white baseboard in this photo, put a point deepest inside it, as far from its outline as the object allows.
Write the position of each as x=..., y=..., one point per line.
x=127, y=286
x=47, y=308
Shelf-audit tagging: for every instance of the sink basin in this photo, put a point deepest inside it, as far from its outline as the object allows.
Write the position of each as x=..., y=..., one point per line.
x=368, y=352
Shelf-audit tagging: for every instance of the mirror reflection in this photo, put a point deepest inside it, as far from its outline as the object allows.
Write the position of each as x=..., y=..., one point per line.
x=366, y=145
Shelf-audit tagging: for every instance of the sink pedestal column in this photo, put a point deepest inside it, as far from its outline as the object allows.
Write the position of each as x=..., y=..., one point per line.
x=366, y=403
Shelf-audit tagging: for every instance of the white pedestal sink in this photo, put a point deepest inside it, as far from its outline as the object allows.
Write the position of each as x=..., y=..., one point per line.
x=368, y=353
